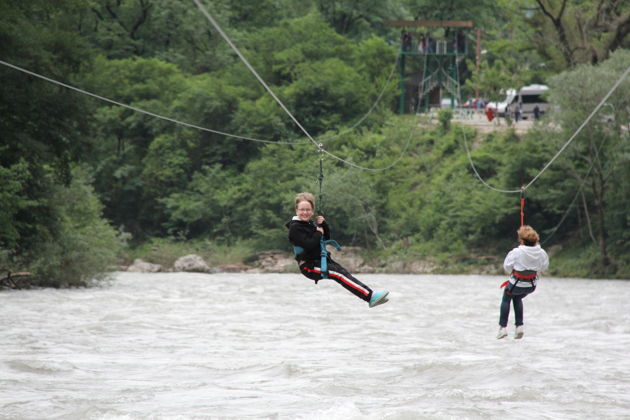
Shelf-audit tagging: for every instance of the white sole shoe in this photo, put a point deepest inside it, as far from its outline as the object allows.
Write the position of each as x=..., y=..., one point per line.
x=378, y=298
x=502, y=333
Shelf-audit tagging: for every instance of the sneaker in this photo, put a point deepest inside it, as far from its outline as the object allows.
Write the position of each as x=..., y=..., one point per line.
x=519, y=332
x=378, y=298
x=502, y=332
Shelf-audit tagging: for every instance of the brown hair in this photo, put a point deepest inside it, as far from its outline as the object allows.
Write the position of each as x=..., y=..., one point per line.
x=528, y=235
x=305, y=196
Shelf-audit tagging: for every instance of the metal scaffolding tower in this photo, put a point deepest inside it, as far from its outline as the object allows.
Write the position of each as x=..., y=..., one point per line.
x=434, y=65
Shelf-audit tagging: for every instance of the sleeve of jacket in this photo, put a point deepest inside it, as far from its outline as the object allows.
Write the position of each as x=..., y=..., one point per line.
x=305, y=236
x=510, y=259
x=326, y=227
x=545, y=261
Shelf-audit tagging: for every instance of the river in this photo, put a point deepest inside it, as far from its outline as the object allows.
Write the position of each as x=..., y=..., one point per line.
x=275, y=346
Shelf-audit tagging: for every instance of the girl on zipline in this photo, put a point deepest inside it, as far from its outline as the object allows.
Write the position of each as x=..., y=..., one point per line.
x=523, y=263
x=306, y=235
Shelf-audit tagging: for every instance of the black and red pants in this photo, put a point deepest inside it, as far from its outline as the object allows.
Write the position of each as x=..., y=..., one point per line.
x=336, y=272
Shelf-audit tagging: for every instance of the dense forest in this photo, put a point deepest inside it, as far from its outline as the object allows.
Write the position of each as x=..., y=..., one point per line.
x=130, y=123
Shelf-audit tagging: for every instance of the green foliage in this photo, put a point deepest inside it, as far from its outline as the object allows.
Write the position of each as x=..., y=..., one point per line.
x=374, y=58
x=80, y=246
x=203, y=207
x=13, y=200
x=166, y=165
x=267, y=189
x=167, y=30
x=596, y=160
x=352, y=207
x=136, y=81
x=576, y=261
x=124, y=138
x=326, y=94
x=327, y=63
x=483, y=11
x=444, y=117
x=492, y=79
x=278, y=52
x=569, y=34
x=358, y=20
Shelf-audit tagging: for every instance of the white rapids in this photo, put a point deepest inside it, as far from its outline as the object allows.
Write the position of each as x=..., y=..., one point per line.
x=275, y=346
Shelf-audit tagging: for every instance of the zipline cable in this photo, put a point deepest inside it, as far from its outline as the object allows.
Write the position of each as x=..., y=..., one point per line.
x=474, y=168
x=140, y=110
x=251, y=69
x=577, y=194
x=472, y=164
x=179, y=122
x=273, y=95
x=588, y=119
x=378, y=99
x=183, y=123
x=197, y=127
x=562, y=149
x=365, y=168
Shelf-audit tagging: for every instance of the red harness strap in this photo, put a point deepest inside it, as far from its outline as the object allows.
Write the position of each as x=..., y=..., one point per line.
x=522, y=206
x=514, y=272
x=520, y=276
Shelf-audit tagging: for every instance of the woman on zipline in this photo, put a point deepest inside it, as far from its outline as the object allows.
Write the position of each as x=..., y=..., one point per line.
x=523, y=263
x=306, y=236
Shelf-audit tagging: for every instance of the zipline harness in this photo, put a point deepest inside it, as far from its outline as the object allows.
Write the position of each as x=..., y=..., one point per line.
x=297, y=250
x=522, y=276
x=525, y=276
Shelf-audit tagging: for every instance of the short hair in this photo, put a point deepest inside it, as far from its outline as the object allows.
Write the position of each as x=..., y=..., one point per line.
x=305, y=196
x=528, y=235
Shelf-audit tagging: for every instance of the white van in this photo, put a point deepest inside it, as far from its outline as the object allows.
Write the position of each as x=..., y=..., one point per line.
x=530, y=97
x=527, y=98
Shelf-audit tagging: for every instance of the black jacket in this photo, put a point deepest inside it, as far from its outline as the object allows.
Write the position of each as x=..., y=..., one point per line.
x=305, y=235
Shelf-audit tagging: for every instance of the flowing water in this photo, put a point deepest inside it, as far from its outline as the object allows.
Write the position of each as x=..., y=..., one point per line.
x=274, y=346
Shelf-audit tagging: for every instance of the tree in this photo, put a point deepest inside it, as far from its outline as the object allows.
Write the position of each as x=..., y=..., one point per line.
x=585, y=31
x=594, y=159
x=360, y=19
x=171, y=31
x=122, y=137
x=492, y=80
x=43, y=125
x=79, y=247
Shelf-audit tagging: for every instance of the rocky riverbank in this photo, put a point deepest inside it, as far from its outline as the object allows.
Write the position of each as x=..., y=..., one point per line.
x=349, y=257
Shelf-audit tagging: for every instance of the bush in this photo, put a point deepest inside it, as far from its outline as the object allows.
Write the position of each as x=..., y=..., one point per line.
x=445, y=116
x=81, y=247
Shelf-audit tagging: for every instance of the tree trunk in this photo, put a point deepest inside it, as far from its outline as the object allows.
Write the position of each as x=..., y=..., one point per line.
x=556, y=21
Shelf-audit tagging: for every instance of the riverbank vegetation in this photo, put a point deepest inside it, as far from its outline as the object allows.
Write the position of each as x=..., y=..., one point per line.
x=86, y=184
